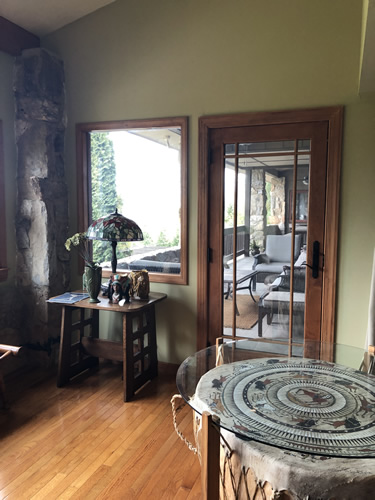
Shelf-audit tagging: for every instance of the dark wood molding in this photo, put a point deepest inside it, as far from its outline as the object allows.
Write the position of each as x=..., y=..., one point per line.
x=333, y=116
x=3, y=248
x=14, y=39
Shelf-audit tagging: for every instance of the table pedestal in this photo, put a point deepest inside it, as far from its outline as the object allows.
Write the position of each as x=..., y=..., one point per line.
x=256, y=471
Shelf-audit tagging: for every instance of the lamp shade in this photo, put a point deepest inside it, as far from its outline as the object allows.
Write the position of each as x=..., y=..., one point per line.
x=114, y=227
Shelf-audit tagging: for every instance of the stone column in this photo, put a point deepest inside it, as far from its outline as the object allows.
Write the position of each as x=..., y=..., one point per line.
x=258, y=214
x=42, y=200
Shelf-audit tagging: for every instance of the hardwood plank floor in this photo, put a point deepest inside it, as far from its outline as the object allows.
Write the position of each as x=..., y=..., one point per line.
x=83, y=442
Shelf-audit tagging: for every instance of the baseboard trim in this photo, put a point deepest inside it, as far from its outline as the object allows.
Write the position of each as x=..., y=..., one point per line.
x=168, y=368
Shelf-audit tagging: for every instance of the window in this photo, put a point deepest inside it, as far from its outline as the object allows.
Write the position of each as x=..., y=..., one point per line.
x=138, y=167
x=3, y=242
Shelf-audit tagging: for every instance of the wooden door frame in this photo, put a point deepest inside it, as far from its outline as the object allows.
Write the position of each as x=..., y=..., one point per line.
x=334, y=117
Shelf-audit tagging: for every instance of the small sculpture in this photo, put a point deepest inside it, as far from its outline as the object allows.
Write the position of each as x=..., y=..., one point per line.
x=115, y=292
x=119, y=288
x=140, y=284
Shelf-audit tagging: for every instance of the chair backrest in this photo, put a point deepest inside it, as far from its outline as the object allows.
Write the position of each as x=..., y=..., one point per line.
x=278, y=247
x=299, y=277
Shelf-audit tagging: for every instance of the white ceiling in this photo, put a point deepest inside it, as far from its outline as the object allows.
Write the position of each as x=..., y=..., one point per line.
x=41, y=17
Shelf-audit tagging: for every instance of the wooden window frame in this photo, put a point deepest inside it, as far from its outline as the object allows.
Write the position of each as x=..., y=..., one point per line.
x=82, y=150
x=334, y=117
x=3, y=240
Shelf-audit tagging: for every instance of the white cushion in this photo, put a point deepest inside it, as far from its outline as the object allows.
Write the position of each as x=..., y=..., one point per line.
x=278, y=247
x=301, y=259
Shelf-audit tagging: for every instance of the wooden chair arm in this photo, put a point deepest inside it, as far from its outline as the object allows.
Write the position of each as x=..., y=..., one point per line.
x=368, y=362
x=5, y=348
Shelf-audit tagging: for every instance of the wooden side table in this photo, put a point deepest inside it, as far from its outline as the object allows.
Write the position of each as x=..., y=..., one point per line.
x=80, y=351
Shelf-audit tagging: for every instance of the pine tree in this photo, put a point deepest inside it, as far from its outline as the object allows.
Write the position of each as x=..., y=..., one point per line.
x=103, y=175
x=104, y=198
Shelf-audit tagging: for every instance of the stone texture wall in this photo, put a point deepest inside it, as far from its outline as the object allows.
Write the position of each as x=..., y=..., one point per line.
x=277, y=200
x=258, y=207
x=42, y=199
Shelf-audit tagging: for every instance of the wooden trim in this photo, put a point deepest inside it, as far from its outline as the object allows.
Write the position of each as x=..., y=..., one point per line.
x=202, y=250
x=173, y=121
x=82, y=159
x=334, y=117
x=14, y=39
x=3, y=238
x=335, y=126
x=184, y=236
x=270, y=118
x=82, y=141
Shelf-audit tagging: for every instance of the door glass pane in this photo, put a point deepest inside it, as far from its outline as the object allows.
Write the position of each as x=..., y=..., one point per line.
x=258, y=301
x=304, y=145
x=228, y=246
x=301, y=231
x=230, y=149
x=266, y=147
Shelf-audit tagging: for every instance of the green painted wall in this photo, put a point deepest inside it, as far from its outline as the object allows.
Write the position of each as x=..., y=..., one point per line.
x=7, y=117
x=357, y=228
x=144, y=59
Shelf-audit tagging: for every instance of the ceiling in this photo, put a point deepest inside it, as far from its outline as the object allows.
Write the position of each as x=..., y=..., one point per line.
x=41, y=17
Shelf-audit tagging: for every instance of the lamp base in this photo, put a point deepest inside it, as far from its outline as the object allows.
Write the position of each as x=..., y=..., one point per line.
x=114, y=257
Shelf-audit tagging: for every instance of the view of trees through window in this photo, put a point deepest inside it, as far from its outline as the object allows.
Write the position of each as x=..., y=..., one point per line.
x=140, y=175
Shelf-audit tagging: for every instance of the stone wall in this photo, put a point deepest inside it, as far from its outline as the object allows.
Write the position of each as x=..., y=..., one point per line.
x=277, y=200
x=42, y=199
x=258, y=207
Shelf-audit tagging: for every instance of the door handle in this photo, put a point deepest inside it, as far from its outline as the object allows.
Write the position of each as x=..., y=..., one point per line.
x=315, y=261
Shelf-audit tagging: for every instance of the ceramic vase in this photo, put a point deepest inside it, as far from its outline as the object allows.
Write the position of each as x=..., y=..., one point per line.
x=93, y=279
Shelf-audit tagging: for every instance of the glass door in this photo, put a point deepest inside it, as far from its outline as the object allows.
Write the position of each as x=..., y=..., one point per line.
x=272, y=184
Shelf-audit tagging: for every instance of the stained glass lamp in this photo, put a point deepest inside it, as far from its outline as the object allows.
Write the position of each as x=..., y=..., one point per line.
x=114, y=227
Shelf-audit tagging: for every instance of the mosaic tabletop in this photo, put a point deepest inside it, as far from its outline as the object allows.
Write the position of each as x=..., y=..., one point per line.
x=306, y=405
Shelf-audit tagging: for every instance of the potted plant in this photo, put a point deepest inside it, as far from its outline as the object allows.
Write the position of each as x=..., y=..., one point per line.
x=93, y=271
x=254, y=248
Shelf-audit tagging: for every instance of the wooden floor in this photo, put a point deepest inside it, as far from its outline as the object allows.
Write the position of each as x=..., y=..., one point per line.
x=83, y=442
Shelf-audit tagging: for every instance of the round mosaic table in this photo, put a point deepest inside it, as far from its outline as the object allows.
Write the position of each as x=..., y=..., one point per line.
x=286, y=420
